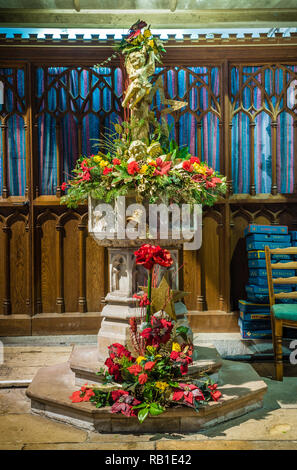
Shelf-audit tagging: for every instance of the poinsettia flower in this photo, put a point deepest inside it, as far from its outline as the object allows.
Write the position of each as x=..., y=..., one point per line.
x=63, y=186
x=116, y=394
x=125, y=405
x=188, y=393
x=123, y=408
x=194, y=160
x=146, y=333
x=215, y=394
x=76, y=397
x=88, y=394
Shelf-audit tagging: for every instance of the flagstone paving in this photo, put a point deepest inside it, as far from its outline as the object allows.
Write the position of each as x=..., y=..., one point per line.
x=272, y=427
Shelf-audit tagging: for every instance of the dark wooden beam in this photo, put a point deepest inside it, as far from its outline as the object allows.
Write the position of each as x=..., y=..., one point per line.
x=261, y=17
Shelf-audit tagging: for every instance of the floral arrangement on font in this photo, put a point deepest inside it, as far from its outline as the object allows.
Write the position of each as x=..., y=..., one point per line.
x=139, y=155
x=153, y=375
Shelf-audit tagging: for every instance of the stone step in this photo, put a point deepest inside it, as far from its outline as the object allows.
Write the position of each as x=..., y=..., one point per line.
x=241, y=386
x=85, y=364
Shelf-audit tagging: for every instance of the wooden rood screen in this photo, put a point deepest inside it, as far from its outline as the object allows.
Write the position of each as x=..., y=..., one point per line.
x=241, y=120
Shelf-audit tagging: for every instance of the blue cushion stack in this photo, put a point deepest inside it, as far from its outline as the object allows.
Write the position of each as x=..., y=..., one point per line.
x=254, y=320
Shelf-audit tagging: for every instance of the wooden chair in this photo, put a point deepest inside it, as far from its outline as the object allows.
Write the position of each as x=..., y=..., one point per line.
x=283, y=314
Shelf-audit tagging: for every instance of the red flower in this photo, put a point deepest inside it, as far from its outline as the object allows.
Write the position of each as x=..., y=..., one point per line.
x=84, y=394
x=149, y=365
x=209, y=171
x=76, y=397
x=149, y=255
x=116, y=394
x=188, y=166
x=116, y=161
x=145, y=255
x=133, y=34
x=188, y=393
x=107, y=170
x=163, y=257
x=215, y=394
x=135, y=369
x=133, y=168
x=133, y=324
x=210, y=184
x=84, y=165
x=63, y=186
x=142, y=378
x=162, y=168
x=146, y=333
x=118, y=350
x=174, y=355
x=86, y=176
x=216, y=180
x=125, y=405
x=195, y=160
x=89, y=393
x=143, y=299
x=184, y=369
x=198, y=178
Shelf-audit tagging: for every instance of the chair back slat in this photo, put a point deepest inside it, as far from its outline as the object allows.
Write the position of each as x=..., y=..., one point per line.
x=289, y=265
x=280, y=280
x=291, y=250
x=286, y=295
x=285, y=280
x=269, y=276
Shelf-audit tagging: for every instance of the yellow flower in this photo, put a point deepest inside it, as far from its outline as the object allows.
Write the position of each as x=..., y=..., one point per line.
x=97, y=158
x=103, y=163
x=199, y=168
x=143, y=169
x=147, y=33
x=176, y=347
x=151, y=43
x=139, y=359
x=161, y=385
x=151, y=160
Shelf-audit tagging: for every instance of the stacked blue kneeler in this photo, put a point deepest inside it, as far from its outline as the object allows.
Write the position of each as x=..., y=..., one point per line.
x=254, y=320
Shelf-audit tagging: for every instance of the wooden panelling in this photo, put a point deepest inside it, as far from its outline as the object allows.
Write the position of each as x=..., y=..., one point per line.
x=211, y=260
x=47, y=274
x=50, y=268
x=95, y=279
x=70, y=265
x=2, y=274
x=18, y=267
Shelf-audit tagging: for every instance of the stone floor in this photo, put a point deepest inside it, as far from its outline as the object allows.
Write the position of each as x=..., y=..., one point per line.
x=272, y=427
